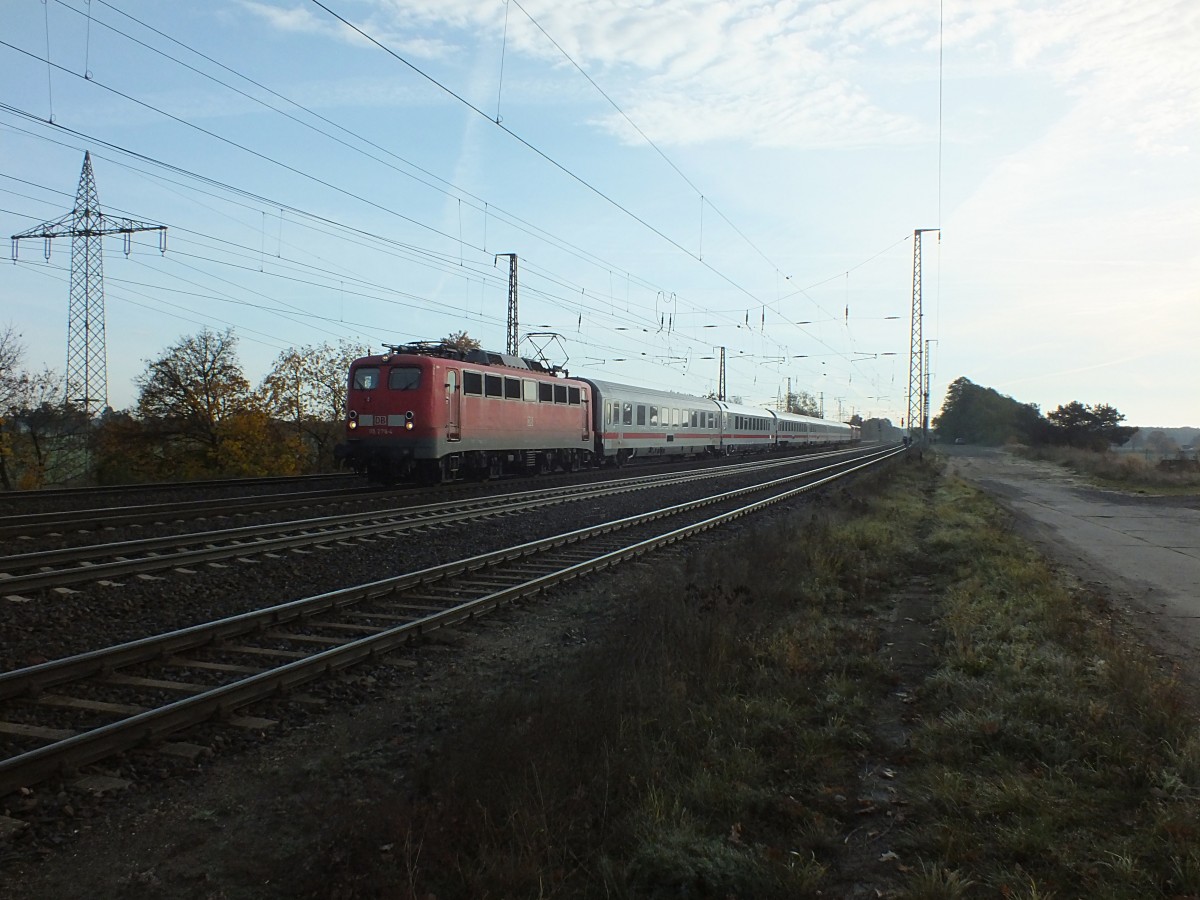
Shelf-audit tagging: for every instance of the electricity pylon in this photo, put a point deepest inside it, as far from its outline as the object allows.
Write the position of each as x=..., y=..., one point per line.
x=86, y=225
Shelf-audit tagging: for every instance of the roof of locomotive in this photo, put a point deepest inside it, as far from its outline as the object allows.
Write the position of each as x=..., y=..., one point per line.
x=474, y=356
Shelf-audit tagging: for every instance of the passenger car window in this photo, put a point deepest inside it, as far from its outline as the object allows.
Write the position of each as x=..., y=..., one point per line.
x=654, y=415
x=404, y=378
x=627, y=416
x=366, y=378
x=641, y=414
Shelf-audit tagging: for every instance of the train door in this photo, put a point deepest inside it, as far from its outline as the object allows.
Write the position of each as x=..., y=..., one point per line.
x=585, y=403
x=453, y=406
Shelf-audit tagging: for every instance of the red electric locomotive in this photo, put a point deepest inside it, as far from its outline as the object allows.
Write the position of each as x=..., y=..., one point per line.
x=433, y=412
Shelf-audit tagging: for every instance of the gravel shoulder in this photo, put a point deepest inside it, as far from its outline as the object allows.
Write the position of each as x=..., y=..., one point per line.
x=1141, y=551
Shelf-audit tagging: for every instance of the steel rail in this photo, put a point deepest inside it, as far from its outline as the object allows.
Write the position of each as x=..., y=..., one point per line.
x=75, y=563
x=88, y=747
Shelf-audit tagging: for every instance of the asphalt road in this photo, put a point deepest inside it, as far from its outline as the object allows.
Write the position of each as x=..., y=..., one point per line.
x=1143, y=550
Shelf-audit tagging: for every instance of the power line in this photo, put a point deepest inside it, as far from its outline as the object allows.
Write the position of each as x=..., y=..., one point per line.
x=646, y=138
x=627, y=275
x=538, y=151
x=479, y=204
x=333, y=187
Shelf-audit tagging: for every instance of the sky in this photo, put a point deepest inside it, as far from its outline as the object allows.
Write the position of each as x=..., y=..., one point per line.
x=674, y=176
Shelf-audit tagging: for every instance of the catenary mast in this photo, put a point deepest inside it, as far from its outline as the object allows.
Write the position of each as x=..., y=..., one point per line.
x=916, y=421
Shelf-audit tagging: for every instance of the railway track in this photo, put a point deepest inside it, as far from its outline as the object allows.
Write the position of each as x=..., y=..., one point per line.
x=25, y=573
x=72, y=712
x=80, y=521
x=75, y=497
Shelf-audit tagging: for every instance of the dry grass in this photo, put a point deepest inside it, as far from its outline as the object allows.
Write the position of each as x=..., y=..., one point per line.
x=1124, y=471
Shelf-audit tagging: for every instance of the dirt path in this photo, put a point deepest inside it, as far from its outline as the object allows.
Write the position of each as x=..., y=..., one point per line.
x=1141, y=551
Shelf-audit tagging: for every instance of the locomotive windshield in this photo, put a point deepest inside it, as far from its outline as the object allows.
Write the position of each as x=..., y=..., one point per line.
x=404, y=378
x=366, y=378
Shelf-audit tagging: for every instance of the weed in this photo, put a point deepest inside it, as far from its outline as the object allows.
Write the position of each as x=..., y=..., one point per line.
x=935, y=882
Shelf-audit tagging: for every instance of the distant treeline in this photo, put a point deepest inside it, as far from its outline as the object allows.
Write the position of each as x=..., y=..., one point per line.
x=982, y=415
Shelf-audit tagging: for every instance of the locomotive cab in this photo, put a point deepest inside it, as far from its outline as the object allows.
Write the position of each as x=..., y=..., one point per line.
x=395, y=414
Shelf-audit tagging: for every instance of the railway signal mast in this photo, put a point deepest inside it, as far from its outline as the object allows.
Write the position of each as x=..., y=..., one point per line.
x=918, y=408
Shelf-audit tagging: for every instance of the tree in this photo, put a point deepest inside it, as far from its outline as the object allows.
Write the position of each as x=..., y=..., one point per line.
x=460, y=340
x=1161, y=444
x=125, y=450
x=190, y=392
x=11, y=355
x=802, y=403
x=984, y=416
x=32, y=419
x=307, y=389
x=1088, y=427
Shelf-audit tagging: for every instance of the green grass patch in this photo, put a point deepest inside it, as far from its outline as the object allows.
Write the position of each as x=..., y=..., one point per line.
x=1054, y=760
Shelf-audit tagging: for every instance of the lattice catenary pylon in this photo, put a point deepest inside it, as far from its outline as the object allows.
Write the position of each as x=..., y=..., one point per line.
x=917, y=418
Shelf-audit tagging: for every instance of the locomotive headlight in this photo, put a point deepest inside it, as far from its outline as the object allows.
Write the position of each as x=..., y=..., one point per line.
x=352, y=425
x=408, y=426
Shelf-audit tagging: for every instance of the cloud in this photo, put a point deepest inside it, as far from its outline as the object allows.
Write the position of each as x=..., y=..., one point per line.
x=686, y=71
x=311, y=20
x=295, y=19
x=794, y=74
x=1132, y=66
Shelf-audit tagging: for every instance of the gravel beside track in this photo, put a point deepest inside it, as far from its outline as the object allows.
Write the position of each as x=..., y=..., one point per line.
x=22, y=502
x=188, y=838
x=354, y=495
x=60, y=623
